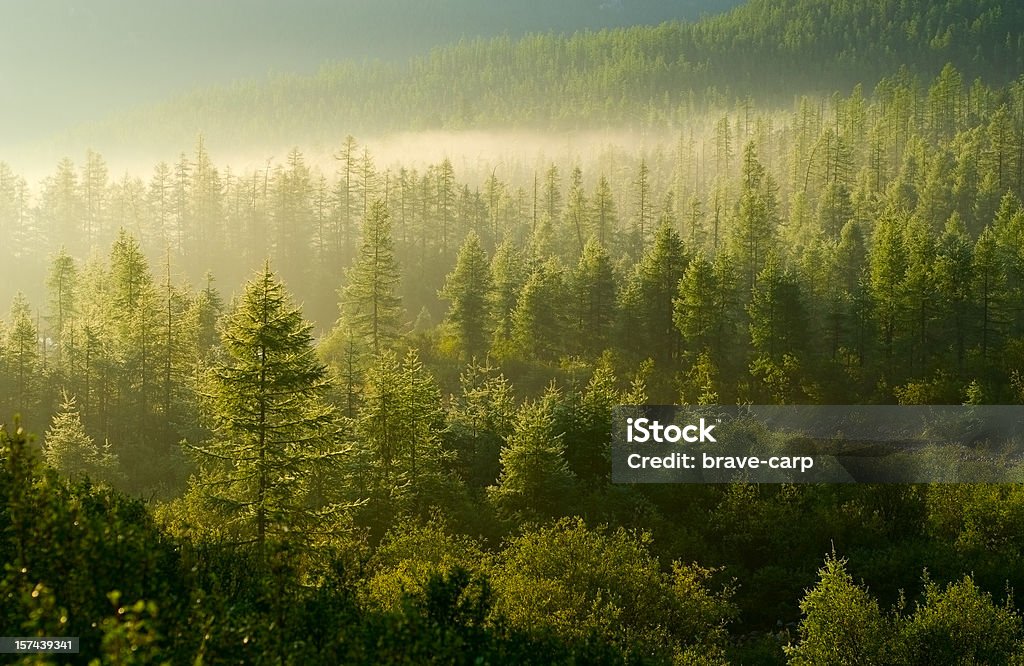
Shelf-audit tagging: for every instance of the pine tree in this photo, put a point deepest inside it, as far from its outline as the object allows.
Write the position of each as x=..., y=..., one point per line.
x=400, y=462
x=643, y=217
x=21, y=356
x=94, y=196
x=61, y=285
x=136, y=317
x=754, y=235
x=778, y=330
x=647, y=298
x=539, y=321
x=346, y=205
x=481, y=417
x=699, y=310
x=954, y=275
x=445, y=201
x=69, y=450
x=508, y=275
x=369, y=302
x=292, y=216
x=988, y=286
x=535, y=478
x=604, y=219
x=272, y=428
x=594, y=304
x=576, y=212
x=887, y=269
x=469, y=290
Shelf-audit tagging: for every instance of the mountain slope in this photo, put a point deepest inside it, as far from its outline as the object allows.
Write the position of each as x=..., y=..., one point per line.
x=63, y=61
x=766, y=49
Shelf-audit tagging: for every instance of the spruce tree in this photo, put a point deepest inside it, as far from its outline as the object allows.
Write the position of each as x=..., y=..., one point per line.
x=468, y=288
x=539, y=321
x=21, y=356
x=535, y=479
x=593, y=304
x=369, y=302
x=69, y=450
x=273, y=431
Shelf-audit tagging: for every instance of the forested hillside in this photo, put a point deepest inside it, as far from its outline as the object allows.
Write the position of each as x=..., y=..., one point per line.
x=640, y=77
x=68, y=62
x=366, y=408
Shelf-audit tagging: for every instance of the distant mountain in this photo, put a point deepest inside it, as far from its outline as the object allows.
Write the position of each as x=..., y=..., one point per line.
x=64, y=61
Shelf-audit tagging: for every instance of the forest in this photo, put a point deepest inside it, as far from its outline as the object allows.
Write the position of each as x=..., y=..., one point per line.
x=350, y=412
x=640, y=77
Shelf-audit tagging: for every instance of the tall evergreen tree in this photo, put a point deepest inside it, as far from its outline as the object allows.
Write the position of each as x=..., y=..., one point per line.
x=539, y=319
x=646, y=308
x=369, y=302
x=21, y=356
x=469, y=290
x=535, y=479
x=593, y=304
x=272, y=427
x=754, y=233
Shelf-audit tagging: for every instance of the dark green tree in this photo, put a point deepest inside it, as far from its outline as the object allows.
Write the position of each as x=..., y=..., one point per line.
x=535, y=480
x=272, y=427
x=594, y=305
x=539, y=320
x=369, y=302
x=469, y=290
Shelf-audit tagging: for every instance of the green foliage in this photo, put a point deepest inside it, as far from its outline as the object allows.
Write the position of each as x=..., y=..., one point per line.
x=480, y=419
x=411, y=556
x=273, y=432
x=862, y=247
x=539, y=320
x=842, y=623
x=593, y=300
x=368, y=301
x=468, y=288
x=647, y=297
x=69, y=450
x=535, y=479
x=960, y=624
x=400, y=460
x=577, y=582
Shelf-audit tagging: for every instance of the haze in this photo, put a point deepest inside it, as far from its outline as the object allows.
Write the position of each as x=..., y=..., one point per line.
x=64, y=63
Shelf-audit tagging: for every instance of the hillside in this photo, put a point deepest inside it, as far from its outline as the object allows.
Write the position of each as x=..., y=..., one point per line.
x=638, y=76
x=64, y=63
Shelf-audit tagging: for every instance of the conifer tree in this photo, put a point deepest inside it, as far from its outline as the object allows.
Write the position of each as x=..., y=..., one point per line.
x=69, y=450
x=778, y=329
x=593, y=304
x=61, y=285
x=481, y=418
x=754, y=235
x=535, y=478
x=273, y=431
x=988, y=286
x=695, y=309
x=368, y=302
x=647, y=298
x=508, y=275
x=539, y=321
x=21, y=356
x=603, y=219
x=400, y=462
x=469, y=290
